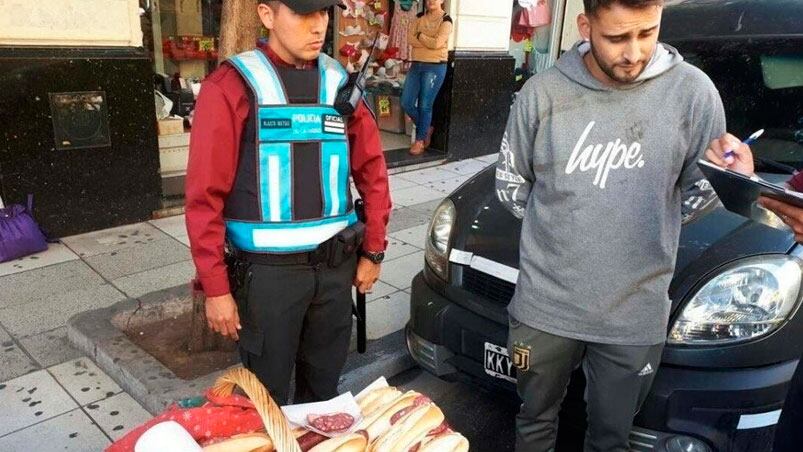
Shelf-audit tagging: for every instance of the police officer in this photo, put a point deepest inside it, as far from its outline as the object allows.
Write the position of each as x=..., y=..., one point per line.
x=269, y=167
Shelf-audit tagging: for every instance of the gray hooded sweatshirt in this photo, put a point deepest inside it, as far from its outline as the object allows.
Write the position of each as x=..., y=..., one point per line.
x=598, y=175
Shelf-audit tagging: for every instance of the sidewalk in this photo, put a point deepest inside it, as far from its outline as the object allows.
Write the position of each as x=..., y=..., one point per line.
x=53, y=398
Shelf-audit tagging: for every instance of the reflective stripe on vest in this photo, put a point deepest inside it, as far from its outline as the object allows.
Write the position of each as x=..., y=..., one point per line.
x=279, y=124
x=283, y=238
x=261, y=77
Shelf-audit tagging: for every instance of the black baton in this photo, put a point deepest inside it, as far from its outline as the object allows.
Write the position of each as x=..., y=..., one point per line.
x=360, y=312
x=359, y=308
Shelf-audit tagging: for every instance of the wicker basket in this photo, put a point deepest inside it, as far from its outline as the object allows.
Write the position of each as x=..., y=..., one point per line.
x=275, y=422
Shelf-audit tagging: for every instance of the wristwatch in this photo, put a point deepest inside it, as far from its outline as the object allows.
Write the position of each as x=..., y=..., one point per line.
x=376, y=258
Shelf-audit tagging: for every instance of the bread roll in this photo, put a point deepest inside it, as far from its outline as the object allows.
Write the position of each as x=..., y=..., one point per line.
x=378, y=398
x=409, y=430
x=354, y=442
x=379, y=421
x=446, y=442
x=249, y=442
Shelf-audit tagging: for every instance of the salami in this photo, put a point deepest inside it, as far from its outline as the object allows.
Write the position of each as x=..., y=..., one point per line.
x=400, y=414
x=440, y=429
x=309, y=440
x=422, y=400
x=331, y=423
x=419, y=401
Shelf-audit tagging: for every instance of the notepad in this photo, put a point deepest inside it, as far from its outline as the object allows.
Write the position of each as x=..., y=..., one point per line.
x=740, y=193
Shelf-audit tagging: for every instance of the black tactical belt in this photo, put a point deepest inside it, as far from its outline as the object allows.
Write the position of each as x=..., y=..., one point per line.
x=318, y=256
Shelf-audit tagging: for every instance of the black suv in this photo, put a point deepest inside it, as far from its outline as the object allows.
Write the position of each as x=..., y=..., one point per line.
x=734, y=338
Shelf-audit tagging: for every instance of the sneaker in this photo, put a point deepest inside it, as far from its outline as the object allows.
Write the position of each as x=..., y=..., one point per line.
x=417, y=148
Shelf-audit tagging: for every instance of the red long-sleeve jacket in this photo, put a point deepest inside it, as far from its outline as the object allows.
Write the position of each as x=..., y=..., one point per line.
x=220, y=114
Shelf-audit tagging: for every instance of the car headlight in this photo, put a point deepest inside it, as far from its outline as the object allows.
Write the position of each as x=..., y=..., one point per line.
x=742, y=303
x=438, y=245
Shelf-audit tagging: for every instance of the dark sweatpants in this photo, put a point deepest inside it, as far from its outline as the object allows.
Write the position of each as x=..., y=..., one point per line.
x=789, y=432
x=297, y=316
x=618, y=378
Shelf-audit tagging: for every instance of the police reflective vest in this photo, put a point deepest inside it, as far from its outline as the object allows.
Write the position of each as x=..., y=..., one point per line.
x=291, y=191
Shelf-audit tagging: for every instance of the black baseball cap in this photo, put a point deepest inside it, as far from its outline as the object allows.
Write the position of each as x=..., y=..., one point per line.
x=310, y=6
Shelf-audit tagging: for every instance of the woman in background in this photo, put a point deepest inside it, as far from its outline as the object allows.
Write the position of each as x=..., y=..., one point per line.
x=428, y=38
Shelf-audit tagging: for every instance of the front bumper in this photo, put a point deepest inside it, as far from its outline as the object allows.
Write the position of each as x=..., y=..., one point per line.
x=729, y=409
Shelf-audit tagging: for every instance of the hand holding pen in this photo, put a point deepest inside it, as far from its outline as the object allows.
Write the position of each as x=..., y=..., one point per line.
x=731, y=153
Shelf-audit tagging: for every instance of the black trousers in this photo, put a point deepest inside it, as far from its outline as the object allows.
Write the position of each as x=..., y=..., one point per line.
x=789, y=432
x=297, y=316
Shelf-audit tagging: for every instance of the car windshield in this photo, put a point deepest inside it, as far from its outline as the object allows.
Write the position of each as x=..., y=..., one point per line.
x=761, y=84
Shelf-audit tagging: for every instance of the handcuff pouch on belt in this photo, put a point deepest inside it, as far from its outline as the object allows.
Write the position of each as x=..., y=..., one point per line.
x=238, y=271
x=345, y=244
x=334, y=252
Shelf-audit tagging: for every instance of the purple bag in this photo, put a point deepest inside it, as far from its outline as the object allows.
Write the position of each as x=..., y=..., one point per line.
x=19, y=233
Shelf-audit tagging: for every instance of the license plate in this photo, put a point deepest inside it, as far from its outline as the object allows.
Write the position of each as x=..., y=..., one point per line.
x=498, y=363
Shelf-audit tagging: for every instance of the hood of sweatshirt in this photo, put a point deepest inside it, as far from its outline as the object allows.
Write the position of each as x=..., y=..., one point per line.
x=571, y=64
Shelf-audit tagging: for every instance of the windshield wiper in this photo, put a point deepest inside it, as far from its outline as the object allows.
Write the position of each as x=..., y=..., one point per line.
x=778, y=166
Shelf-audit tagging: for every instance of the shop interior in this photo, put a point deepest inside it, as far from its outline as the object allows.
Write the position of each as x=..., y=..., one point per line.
x=530, y=33
x=182, y=39
x=181, y=36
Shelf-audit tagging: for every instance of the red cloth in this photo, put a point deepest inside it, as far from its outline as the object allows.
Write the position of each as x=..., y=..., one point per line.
x=536, y=15
x=221, y=111
x=519, y=32
x=219, y=418
x=796, y=182
x=528, y=19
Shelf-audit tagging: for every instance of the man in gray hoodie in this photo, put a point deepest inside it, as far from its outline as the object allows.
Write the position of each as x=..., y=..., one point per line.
x=598, y=154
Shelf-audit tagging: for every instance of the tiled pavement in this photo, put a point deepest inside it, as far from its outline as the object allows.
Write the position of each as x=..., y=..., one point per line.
x=53, y=398
x=70, y=406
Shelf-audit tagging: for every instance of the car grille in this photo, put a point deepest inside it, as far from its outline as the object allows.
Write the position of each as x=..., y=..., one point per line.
x=643, y=440
x=487, y=286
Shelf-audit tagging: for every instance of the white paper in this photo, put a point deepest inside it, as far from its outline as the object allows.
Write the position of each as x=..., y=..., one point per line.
x=196, y=89
x=166, y=436
x=297, y=414
x=163, y=105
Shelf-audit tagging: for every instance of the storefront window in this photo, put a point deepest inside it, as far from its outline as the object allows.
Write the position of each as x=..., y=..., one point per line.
x=181, y=37
x=356, y=28
x=530, y=37
x=184, y=36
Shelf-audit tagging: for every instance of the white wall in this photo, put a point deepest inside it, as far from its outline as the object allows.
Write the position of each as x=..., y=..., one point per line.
x=74, y=23
x=481, y=25
x=570, y=33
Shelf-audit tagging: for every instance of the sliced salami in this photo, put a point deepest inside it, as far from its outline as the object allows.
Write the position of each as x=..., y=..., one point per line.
x=331, y=423
x=400, y=414
x=440, y=429
x=310, y=440
x=419, y=401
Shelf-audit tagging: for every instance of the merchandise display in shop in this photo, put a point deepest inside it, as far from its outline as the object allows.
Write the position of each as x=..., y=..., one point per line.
x=182, y=48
